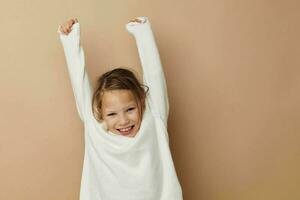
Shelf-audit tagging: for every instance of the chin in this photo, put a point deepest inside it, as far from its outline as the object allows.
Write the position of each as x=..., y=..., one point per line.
x=131, y=135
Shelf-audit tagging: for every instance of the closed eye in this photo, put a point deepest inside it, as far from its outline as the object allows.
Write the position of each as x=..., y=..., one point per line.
x=130, y=109
x=111, y=114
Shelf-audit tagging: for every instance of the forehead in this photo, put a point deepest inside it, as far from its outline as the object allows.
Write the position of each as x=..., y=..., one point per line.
x=117, y=99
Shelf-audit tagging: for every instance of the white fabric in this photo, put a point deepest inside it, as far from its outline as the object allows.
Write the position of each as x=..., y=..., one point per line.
x=117, y=167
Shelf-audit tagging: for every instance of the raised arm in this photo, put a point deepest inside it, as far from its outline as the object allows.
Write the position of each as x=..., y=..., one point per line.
x=76, y=67
x=153, y=74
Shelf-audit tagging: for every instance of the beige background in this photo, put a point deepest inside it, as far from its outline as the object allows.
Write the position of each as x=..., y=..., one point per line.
x=232, y=69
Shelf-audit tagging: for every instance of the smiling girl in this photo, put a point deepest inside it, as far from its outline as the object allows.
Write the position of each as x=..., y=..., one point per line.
x=127, y=154
x=119, y=102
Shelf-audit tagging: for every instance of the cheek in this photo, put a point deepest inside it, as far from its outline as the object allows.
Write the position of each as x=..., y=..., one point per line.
x=110, y=122
x=135, y=116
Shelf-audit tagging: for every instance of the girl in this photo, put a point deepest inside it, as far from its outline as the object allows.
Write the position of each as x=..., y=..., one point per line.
x=127, y=154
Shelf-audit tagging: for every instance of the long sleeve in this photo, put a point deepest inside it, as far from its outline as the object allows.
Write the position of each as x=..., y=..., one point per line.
x=74, y=54
x=153, y=74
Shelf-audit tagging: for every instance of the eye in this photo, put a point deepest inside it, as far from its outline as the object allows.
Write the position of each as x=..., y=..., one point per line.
x=130, y=109
x=111, y=114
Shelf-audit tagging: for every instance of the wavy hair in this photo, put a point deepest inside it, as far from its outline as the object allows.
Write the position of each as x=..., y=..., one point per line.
x=118, y=79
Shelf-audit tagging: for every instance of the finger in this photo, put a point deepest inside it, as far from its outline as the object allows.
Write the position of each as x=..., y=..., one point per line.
x=60, y=29
x=65, y=30
x=73, y=21
x=70, y=23
x=133, y=20
x=136, y=20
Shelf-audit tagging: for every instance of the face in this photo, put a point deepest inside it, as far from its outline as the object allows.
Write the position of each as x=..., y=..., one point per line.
x=120, y=112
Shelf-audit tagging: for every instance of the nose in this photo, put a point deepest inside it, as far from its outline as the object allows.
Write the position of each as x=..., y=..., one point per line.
x=124, y=119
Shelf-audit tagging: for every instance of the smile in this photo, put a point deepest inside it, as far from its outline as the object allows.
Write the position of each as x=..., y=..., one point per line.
x=126, y=131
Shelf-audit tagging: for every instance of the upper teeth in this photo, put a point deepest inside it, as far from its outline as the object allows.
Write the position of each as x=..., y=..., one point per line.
x=125, y=129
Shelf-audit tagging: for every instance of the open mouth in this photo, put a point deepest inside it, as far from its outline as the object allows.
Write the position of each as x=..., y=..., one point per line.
x=126, y=131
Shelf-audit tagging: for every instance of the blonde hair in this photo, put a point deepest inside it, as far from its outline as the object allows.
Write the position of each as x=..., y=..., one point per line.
x=118, y=79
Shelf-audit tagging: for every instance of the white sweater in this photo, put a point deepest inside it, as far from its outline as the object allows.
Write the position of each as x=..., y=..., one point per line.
x=117, y=167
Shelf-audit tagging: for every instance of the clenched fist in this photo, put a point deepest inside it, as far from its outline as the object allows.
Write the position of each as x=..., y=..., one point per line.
x=137, y=20
x=66, y=27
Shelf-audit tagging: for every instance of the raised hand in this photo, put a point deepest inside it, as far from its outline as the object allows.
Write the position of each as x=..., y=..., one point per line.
x=137, y=20
x=66, y=27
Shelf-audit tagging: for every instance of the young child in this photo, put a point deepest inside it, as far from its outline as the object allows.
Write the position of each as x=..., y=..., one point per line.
x=127, y=154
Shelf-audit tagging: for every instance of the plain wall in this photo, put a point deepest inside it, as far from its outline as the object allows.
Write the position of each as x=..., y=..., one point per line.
x=232, y=70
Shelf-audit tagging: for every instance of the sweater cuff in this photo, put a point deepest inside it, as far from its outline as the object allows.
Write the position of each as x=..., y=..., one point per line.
x=133, y=27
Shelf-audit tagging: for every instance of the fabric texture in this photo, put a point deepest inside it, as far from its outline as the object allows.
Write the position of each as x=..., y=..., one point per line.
x=117, y=167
